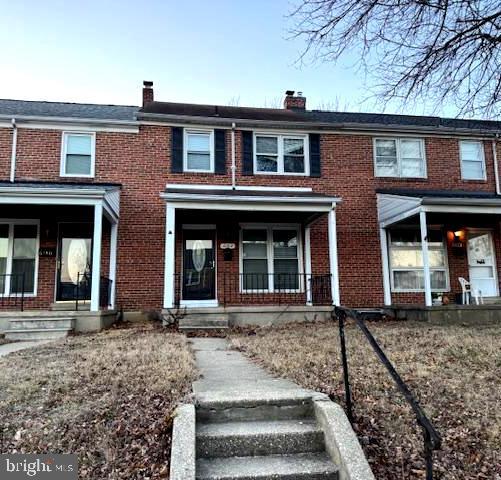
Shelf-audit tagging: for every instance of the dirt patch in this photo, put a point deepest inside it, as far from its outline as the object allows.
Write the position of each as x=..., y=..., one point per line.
x=108, y=397
x=454, y=370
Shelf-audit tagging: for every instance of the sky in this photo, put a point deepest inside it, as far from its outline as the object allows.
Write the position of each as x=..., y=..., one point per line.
x=213, y=51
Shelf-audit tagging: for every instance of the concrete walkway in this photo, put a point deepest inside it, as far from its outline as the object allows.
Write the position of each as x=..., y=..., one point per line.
x=226, y=375
x=17, y=346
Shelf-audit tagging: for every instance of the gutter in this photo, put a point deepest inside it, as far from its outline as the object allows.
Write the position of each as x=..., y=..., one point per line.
x=14, y=151
x=76, y=120
x=233, y=157
x=495, y=160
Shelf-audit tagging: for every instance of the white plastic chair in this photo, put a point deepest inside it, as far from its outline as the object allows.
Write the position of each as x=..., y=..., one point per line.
x=469, y=291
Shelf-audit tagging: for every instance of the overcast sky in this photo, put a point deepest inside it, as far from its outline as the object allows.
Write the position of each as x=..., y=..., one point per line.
x=218, y=51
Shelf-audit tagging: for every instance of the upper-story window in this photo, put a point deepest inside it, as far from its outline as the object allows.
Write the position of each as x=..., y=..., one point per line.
x=472, y=160
x=78, y=154
x=399, y=157
x=281, y=154
x=199, y=151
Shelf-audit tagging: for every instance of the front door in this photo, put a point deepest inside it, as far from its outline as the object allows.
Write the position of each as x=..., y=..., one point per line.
x=482, y=263
x=74, y=261
x=199, y=265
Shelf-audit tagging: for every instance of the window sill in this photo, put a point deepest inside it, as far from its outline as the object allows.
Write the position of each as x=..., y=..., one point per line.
x=278, y=174
x=413, y=179
x=67, y=175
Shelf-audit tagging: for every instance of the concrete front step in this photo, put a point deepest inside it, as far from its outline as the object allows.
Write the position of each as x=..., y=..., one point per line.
x=238, y=439
x=37, y=334
x=274, y=410
x=311, y=466
x=70, y=306
x=212, y=322
x=41, y=323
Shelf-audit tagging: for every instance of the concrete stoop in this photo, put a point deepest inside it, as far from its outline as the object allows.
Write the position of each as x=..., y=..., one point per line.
x=39, y=327
x=193, y=323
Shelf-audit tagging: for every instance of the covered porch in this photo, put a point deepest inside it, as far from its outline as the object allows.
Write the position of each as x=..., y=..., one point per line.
x=430, y=241
x=58, y=248
x=249, y=249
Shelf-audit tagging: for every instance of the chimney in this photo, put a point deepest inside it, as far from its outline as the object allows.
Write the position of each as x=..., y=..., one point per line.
x=147, y=92
x=292, y=102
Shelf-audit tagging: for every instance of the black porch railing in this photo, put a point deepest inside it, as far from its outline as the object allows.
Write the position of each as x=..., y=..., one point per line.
x=12, y=290
x=83, y=289
x=431, y=438
x=256, y=288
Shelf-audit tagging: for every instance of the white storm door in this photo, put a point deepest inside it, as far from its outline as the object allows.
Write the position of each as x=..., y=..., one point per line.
x=482, y=263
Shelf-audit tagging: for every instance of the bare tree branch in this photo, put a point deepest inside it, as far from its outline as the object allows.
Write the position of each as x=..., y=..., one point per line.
x=432, y=51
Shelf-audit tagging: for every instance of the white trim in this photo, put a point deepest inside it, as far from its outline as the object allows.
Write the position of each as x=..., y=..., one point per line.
x=199, y=303
x=280, y=153
x=307, y=264
x=481, y=160
x=64, y=146
x=96, y=257
x=489, y=231
x=383, y=237
x=333, y=259
x=170, y=255
x=113, y=262
x=11, y=222
x=270, y=228
x=13, y=152
x=250, y=188
x=426, y=259
x=193, y=131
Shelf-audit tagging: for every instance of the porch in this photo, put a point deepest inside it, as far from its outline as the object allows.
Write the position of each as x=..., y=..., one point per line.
x=58, y=246
x=247, y=253
x=429, y=240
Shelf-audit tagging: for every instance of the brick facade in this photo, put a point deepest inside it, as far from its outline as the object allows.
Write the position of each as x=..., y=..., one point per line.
x=141, y=163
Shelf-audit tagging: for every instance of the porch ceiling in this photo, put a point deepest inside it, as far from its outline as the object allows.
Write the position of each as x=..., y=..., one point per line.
x=62, y=193
x=397, y=205
x=241, y=198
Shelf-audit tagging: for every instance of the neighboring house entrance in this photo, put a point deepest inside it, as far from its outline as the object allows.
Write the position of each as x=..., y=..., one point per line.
x=482, y=262
x=199, y=265
x=74, y=261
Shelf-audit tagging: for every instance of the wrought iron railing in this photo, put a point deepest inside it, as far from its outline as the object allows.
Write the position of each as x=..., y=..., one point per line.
x=12, y=290
x=83, y=288
x=431, y=438
x=260, y=288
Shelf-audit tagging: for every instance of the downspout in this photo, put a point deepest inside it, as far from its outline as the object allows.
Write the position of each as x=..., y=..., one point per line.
x=233, y=155
x=495, y=159
x=14, y=149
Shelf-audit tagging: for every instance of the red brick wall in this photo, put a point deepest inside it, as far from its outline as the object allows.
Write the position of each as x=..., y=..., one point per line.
x=141, y=163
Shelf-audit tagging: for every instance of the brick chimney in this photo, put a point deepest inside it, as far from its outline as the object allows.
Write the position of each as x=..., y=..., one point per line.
x=147, y=92
x=292, y=102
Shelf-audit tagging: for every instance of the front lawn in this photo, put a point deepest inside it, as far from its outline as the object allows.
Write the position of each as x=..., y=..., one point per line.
x=107, y=397
x=455, y=371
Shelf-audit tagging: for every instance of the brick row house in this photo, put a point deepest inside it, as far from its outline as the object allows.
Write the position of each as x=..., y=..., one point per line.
x=253, y=213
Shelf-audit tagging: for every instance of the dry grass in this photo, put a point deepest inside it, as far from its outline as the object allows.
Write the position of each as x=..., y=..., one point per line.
x=107, y=397
x=455, y=370
x=4, y=341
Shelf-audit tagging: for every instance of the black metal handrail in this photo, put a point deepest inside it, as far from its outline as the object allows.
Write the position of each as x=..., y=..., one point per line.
x=432, y=439
x=83, y=289
x=14, y=295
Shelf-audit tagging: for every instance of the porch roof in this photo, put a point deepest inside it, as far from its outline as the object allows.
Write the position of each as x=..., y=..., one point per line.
x=395, y=205
x=213, y=197
x=62, y=193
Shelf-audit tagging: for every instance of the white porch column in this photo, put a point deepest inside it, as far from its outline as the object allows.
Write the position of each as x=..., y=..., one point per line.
x=383, y=237
x=333, y=257
x=96, y=257
x=307, y=263
x=426, y=260
x=170, y=255
x=113, y=262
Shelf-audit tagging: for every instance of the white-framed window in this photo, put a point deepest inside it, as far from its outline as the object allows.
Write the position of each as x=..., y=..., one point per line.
x=472, y=160
x=198, y=151
x=19, y=242
x=270, y=258
x=281, y=154
x=406, y=260
x=399, y=157
x=78, y=154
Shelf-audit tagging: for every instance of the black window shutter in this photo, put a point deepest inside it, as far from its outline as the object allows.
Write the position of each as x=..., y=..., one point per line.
x=220, y=152
x=177, y=150
x=315, y=168
x=248, y=155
